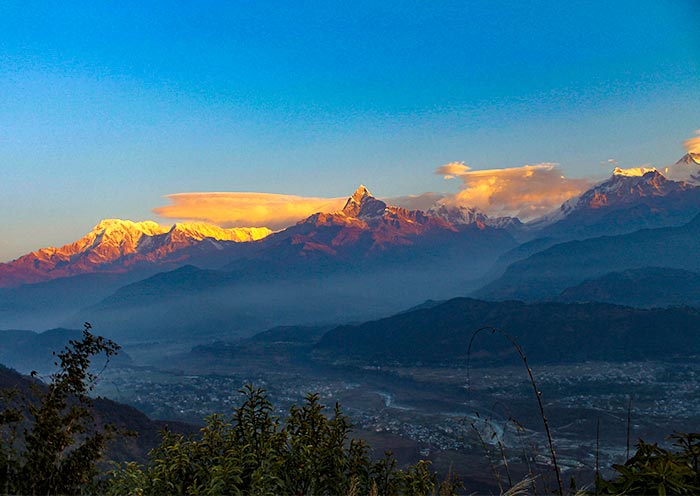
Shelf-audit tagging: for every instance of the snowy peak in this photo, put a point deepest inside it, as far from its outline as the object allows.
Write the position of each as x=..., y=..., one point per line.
x=363, y=205
x=108, y=240
x=689, y=159
x=686, y=169
x=360, y=194
x=113, y=225
x=114, y=245
x=197, y=231
x=364, y=221
x=458, y=215
x=628, y=186
x=633, y=172
x=631, y=199
x=469, y=216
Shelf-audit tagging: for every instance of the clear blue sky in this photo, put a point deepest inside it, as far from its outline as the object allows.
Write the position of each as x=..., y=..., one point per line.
x=105, y=107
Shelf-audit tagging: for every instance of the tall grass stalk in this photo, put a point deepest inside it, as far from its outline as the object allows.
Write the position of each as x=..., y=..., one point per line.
x=487, y=453
x=519, y=429
x=521, y=488
x=629, y=425
x=505, y=462
x=538, y=393
x=597, y=455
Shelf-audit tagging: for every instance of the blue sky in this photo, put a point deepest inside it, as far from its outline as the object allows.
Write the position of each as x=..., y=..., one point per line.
x=107, y=108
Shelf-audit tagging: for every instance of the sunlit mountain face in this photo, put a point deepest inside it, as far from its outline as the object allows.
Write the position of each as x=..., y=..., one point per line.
x=365, y=223
x=365, y=227
x=630, y=199
x=368, y=232
x=115, y=245
x=363, y=220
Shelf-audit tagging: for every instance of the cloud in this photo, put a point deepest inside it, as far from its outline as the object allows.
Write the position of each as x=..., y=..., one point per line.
x=692, y=145
x=246, y=209
x=453, y=169
x=526, y=192
x=416, y=202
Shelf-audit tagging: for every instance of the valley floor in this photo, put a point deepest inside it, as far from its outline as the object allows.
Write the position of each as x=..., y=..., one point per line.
x=434, y=413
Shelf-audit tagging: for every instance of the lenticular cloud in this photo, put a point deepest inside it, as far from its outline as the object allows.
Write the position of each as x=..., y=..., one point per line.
x=246, y=209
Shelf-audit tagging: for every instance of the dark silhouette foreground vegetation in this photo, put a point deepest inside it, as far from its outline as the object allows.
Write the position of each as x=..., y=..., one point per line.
x=51, y=444
x=253, y=452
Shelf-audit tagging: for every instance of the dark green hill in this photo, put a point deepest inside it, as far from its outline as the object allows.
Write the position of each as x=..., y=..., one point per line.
x=645, y=288
x=549, y=332
x=289, y=334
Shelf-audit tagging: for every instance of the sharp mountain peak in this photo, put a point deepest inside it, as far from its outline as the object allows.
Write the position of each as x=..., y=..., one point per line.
x=363, y=204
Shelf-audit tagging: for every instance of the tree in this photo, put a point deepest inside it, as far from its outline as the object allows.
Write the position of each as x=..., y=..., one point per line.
x=50, y=443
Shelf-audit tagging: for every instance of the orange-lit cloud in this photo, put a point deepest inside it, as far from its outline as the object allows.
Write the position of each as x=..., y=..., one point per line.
x=525, y=192
x=692, y=145
x=246, y=209
x=453, y=169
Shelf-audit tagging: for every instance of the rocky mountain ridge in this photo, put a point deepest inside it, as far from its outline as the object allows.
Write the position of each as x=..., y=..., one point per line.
x=114, y=245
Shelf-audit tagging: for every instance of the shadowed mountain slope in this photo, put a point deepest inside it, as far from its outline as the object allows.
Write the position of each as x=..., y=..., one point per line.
x=646, y=288
x=551, y=271
x=548, y=332
x=126, y=418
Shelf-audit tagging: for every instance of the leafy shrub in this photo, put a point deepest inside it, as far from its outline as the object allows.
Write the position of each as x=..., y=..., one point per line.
x=654, y=470
x=254, y=453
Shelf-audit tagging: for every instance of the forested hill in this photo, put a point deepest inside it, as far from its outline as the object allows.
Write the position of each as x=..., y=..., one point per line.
x=549, y=332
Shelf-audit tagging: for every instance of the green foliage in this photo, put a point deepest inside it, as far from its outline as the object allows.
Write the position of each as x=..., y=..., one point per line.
x=654, y=470
x=254, y=453
x=49, y=443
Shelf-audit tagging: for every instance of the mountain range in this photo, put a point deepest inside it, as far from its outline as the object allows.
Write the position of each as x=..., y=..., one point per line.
x=140, y=280
x=368, y=259
x=117, y=246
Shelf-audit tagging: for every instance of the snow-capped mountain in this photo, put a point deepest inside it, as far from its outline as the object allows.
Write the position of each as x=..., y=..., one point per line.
x=368, y=227
x=686, y=169
x=115, y=245
x=628, y=186
x=630, y=199
x=458, y=215
x=369, y=257
x=364, y=222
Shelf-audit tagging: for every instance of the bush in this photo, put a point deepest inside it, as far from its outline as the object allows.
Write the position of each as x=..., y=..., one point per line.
x=253, y=453
x=654, y=470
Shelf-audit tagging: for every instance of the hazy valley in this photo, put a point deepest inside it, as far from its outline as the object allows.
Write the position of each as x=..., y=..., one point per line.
x=377, y=306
